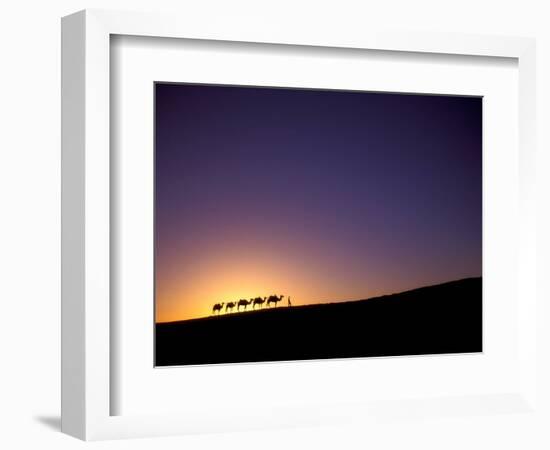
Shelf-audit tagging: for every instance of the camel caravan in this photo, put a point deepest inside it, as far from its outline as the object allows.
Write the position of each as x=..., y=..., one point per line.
x=253, y=302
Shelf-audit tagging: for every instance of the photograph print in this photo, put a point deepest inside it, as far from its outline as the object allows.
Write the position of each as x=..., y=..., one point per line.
x=305, y=224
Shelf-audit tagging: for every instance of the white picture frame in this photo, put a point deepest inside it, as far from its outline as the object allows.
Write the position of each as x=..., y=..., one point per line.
x=86, y=245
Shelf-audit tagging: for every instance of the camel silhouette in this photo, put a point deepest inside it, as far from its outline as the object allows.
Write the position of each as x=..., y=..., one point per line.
x=217, y=307
x=258, y=301
x=274, y=299
x=244, y=302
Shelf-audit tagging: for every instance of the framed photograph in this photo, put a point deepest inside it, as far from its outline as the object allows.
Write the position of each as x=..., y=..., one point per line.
x=269, y=228
x=364, y=208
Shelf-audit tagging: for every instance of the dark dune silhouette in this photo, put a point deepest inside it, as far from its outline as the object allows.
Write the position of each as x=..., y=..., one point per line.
x=445, y=318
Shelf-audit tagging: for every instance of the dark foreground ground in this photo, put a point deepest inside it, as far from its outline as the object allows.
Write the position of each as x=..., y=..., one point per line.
x=446, y=318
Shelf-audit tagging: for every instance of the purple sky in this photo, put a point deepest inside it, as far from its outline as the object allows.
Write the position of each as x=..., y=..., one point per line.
x=320, y=195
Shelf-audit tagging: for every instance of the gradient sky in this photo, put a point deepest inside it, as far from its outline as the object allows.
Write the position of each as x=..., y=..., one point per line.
x=320, y=195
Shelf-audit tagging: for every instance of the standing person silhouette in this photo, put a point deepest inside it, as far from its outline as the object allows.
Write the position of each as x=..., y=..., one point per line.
x=289, y=303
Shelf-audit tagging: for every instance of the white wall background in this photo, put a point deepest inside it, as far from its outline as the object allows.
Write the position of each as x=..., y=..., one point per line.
x=30, y=200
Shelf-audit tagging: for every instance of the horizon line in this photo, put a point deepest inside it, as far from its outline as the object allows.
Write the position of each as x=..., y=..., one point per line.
x=332, y=302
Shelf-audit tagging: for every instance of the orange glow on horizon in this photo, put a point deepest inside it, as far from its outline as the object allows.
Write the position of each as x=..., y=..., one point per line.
x=220, y=276
x=192, y=290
